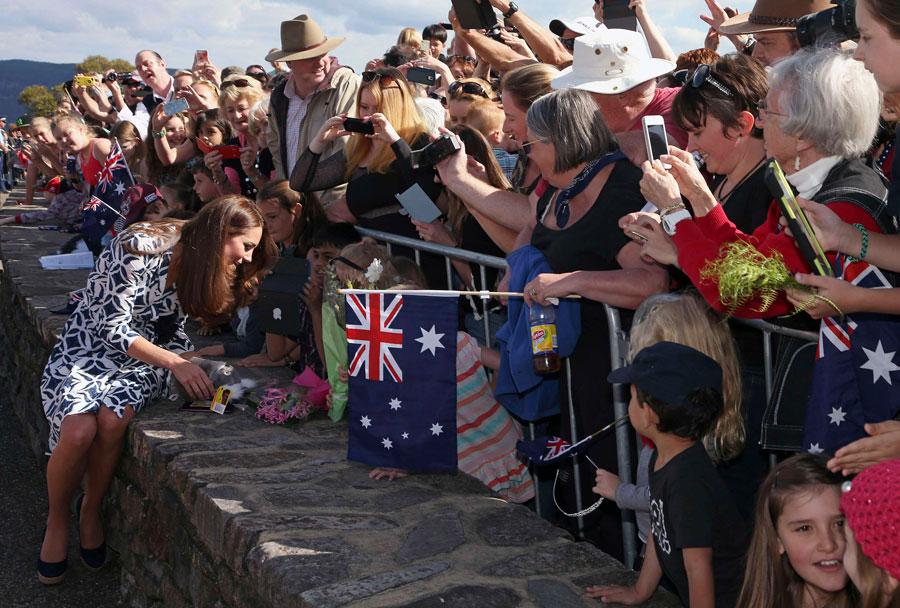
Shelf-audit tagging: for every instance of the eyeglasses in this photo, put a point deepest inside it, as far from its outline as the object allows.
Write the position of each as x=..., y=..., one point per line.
x=440, y=98
x=472, y=88
x=762, y=108
x=349, y=263
x=466, y=58
x=526, y=146
x=569, y=43
x=237, y=82
x=701, y=76
x=260, y=76
x=383, y=79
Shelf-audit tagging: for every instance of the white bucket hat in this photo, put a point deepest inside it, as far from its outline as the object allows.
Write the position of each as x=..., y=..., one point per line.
x=610, y=62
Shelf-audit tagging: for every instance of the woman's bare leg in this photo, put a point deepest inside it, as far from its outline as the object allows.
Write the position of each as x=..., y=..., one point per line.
x=64, y=473
x=103, y=457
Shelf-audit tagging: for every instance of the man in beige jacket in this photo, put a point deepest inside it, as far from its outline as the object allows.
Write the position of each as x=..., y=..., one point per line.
x=317, y=89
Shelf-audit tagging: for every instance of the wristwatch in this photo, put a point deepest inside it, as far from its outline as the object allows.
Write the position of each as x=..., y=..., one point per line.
x=513, y=9
x=669, y=220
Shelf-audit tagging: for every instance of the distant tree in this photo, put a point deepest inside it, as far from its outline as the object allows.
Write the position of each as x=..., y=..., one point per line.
x=38, y=100
x=99, y=63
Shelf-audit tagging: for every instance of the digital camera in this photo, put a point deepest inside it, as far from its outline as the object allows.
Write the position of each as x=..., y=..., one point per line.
x=831, y=26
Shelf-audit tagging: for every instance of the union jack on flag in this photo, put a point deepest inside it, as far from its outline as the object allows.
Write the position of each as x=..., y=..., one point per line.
x=105, y=205
x=374, y=335
x=114, y=162
x=856, y=365
x=405, y=420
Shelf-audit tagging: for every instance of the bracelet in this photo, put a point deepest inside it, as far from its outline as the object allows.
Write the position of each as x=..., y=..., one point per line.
x=671, y=209
x=865, y=244
x=160, y=134
x=288, y=361
x=217, y=182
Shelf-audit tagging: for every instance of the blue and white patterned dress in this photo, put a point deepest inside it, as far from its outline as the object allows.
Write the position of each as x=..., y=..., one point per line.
x=125, y=298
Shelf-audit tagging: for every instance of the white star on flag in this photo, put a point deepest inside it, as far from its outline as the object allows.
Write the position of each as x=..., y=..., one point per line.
x=120, y=188
x=387, y=443
x=815, y=449
x=405, y=435
x=395, y=404
x=880, y=363
x=366, y=422
x=436, y=429
x=837, y=415
x=430, y=340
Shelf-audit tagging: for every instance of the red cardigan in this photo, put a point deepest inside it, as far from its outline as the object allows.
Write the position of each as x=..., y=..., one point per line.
x=700, y=239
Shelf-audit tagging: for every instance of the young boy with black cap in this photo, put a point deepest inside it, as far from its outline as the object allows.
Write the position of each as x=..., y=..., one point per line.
x=698, y=536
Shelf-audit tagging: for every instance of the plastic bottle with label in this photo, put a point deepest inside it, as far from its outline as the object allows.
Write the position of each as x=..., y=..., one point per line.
x=544, y=345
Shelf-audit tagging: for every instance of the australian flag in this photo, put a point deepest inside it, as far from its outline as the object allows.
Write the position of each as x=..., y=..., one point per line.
x=401, y=352
x=857, y=363
x=104, y=208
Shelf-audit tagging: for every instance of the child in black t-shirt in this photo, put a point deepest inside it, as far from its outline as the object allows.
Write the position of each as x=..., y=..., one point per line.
x=699, y=538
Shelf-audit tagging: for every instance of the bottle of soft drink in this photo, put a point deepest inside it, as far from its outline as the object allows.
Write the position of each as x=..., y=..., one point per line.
x=543, y=339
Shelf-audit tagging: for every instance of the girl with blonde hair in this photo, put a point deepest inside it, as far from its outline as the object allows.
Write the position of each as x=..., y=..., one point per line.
x=462, y=93
x=375, y=166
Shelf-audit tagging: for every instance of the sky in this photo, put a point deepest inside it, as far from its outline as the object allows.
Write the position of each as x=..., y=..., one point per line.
x=242, y=32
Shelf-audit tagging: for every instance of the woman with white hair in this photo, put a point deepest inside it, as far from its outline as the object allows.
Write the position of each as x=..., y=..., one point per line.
x=818, y=120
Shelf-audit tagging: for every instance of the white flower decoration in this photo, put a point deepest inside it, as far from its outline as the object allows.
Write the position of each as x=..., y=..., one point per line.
x=374, y=271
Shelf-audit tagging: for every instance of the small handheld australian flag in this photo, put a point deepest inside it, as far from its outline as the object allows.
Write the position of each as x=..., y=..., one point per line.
x=102, y=210
x=402, y=362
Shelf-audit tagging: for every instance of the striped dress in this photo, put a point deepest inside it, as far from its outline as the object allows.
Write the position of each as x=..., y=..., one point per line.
x=486, y=433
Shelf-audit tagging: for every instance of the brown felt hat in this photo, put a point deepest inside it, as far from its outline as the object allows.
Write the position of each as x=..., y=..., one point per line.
x=302, y=38
x=772, y=16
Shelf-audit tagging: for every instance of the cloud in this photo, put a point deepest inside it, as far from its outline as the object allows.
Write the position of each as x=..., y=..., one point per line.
x=242, y=32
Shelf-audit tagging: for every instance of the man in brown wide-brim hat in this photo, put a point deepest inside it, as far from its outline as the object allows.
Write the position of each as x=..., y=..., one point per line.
x=774, y=25
x=317, y=89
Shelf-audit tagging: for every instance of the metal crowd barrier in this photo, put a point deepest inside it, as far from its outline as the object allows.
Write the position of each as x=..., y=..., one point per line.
x=618, y=344
x=618, y=350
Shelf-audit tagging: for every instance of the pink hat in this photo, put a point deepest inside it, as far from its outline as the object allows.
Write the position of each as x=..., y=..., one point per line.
x=872, y=507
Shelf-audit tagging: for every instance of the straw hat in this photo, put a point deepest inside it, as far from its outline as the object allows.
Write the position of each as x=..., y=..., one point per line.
x=610, y=62
x=302, y=38
x=773, y=16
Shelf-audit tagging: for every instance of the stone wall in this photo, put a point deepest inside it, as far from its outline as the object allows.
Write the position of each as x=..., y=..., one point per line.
x=227, y=511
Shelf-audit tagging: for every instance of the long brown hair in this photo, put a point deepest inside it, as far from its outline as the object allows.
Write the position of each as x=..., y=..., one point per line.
x=393, y=99
x=207, y=287
x=886, y=12
x=871, y=582
x=311, y=217
x=478, y=147
x=770, y=581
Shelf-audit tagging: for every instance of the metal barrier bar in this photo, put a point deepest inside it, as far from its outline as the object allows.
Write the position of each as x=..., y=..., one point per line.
x=576, y=465
x=618, y=349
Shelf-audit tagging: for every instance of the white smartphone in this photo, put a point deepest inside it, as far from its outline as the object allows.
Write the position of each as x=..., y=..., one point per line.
x=655, y=137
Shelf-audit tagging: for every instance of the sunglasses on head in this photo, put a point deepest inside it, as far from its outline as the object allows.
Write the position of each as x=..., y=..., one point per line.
x=383, y=79
x=349, y=263
x=237, y=82
x=466, y=58
x=472, y=88
x=701, y=76
x=440, y=98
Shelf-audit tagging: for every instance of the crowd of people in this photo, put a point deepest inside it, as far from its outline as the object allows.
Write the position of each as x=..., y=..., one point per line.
x=552, y=170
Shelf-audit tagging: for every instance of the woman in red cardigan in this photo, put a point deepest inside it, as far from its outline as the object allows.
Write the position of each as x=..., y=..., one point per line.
x=818, y=120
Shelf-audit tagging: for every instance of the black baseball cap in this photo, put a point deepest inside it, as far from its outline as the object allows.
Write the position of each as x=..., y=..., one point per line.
x=670, y=372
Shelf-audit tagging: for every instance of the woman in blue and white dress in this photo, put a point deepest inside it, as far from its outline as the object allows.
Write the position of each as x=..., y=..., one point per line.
x=119, y=347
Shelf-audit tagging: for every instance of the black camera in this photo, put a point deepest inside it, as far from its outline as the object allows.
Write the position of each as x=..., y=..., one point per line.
x=831, y=26
x=435, y=152
x=126, y=77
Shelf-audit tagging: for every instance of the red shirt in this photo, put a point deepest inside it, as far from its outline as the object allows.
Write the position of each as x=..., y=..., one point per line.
x=662, y=106
x=700, y=239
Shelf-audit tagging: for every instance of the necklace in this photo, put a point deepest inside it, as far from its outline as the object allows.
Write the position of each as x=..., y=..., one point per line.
x=723, y=197
x=581, y=181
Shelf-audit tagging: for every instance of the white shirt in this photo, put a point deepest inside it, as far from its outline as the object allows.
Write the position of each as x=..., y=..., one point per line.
x=809, y=180
x=297, y=107
x=140, y=118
